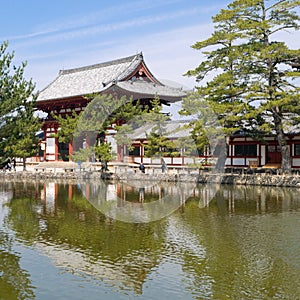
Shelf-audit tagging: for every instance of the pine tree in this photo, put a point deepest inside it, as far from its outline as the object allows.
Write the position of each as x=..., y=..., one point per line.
x=68, y=125
x=206, y=130
x=104, y=152
x=18, y=125
x=157, y=142
x=102, y=113
x=253, y=85
x=159, y=146
x=23, y=141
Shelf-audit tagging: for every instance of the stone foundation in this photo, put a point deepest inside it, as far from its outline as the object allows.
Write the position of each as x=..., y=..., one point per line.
x=263, y=179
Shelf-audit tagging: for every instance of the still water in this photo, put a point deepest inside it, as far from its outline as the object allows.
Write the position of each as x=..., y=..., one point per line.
x=66, y=241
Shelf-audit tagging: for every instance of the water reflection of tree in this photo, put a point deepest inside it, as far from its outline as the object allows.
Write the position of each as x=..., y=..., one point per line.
x=23, y=219
x=14, y=281
x=121, y=253
x=238, y=256
x=131, y=249
x=224, y=245
x=240, y=199
x=21, y=189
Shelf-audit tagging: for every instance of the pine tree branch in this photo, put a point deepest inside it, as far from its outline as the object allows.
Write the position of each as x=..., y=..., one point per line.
x=275, y=5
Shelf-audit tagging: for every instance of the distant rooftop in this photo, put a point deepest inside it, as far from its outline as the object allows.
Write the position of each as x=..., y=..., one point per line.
x=172, y=129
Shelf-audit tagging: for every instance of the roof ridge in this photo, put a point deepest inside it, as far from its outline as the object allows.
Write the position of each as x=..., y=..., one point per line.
x=103, y=64
x=137, y=58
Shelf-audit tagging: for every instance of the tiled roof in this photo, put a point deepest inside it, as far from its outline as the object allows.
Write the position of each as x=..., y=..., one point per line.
x=289, y=126
x=90, y=79
x=150, y=88
x=172, y=130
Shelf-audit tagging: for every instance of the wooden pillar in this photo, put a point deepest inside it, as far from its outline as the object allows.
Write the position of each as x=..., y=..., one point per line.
x=231, y=154
x=70, y=191
x=87, y=191
x=55, y=129
x=119, y=149
x=55, y=197
x=56, y=149
x=142, y=152
x=259, y=154
x=70, y=148
x=291, y=150
x=45, y=142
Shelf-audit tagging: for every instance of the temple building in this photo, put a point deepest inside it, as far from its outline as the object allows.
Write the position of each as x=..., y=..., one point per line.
x=243, y=150
x=131, y=77
x=127, y=76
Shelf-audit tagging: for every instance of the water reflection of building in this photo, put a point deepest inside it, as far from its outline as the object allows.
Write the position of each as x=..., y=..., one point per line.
x=86, y=246
x=6, y=192
x=83, y=241
x=203, y=195
x=259, y=199
x=5, y=196
x=140, y=193
x=49, y=196
x=135, y=192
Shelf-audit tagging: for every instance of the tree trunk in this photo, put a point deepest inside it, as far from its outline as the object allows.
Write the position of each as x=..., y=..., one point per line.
x=222, y=156
x=24, y=164
x=285, y=149
x=286, y=159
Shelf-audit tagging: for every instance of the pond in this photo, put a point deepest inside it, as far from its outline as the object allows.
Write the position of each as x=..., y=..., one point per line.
x=97, y=240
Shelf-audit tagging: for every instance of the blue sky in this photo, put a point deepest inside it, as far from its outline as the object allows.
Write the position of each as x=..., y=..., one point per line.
x=54, y=35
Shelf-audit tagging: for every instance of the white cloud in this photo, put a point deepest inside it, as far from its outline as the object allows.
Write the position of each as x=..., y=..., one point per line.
x=167, y=54
x=74, y=22
x=66, y=34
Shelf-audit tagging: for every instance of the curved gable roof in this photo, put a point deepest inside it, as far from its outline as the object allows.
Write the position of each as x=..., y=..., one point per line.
x=140, y=89
x=90, y=79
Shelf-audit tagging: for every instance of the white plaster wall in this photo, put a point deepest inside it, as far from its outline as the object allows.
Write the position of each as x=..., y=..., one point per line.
x=188, y=160
x=147, y=160
x=263, y=155
x=156, y=160
x=177, y=160
x=50, y=145
x=50, y=197
x=238, y=161
x=168, y=160
x=296, y=162
x=137, y=160
x=228, y=161
x=110, y=139
x=51, y=157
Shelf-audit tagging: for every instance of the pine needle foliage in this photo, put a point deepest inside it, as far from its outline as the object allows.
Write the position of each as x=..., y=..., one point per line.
x=18, y=124
x=249, y=76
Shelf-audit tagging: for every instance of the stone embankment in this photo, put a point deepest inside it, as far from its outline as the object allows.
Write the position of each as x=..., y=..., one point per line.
x=292, y=180
x=46, y=175
x=261, y=179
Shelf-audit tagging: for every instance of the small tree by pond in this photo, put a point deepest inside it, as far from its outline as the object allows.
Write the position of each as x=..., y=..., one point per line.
x=18, y=124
